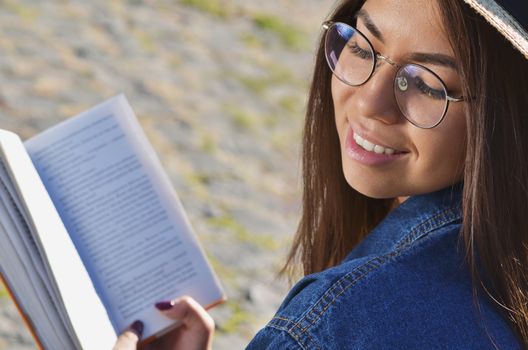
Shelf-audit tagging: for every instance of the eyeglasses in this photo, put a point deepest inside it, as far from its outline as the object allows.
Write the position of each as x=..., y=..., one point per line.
x=420, y=94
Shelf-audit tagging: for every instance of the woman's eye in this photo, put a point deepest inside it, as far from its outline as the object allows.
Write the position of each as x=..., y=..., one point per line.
x=429, y=91
x=359, y=51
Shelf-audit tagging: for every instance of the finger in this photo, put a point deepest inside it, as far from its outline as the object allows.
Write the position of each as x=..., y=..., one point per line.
x=130, y=337
x=189, y=312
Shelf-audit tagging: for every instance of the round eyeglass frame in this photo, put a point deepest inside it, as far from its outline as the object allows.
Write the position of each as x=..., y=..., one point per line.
x=379, y=57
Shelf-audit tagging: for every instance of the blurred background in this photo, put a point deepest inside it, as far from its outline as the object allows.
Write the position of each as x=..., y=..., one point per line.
x=219, y=87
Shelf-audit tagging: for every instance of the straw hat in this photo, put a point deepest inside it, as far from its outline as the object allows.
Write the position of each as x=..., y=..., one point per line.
x=510, y=17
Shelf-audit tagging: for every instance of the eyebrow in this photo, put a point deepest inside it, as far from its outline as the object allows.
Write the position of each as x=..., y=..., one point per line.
x=369, y=24
x=436, y=59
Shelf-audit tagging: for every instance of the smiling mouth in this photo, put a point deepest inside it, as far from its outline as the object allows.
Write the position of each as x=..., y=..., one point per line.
x=371, y=147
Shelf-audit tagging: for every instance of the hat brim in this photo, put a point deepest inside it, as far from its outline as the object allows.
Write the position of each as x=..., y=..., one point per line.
x=505, y=23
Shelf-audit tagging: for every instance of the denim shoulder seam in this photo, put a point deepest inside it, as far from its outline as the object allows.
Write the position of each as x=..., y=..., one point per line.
x=299, y=330
x=442, y=218
x=305, y=342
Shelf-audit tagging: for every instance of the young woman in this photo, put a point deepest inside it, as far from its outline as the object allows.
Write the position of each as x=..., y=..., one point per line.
x=414, y=231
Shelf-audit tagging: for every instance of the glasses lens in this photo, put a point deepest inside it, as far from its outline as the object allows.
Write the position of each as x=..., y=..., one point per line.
x=349, y=54
x=421, y=95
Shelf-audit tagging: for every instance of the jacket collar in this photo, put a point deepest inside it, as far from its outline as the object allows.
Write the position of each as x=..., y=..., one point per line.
x=411, y=220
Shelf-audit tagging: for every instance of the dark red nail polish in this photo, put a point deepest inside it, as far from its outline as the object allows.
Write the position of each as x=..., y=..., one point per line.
x=137, y=327
x=164, y=305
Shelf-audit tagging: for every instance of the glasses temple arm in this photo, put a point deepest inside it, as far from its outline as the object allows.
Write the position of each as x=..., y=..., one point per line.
x=456, y=99
x=327, y=24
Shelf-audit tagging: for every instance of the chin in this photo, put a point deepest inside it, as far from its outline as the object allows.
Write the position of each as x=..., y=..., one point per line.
x=373, y=188
x=395, y=181
x=384, y=188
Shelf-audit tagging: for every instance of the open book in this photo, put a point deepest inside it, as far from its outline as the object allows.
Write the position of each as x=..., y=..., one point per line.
x=92, y=233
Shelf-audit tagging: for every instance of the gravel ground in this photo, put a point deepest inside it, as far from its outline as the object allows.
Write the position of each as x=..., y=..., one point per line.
x=219, y=87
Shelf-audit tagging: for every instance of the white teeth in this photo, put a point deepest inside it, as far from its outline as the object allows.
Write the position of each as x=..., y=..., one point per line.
x=369, y=146
x=378, y=149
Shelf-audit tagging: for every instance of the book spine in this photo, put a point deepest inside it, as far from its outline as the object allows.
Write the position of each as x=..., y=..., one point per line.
x=25, y=318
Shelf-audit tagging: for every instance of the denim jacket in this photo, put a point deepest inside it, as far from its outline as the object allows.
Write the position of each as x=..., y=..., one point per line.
x=405, y=286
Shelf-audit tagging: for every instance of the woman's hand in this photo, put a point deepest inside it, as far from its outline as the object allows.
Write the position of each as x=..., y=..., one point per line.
x=130, y=337
x=194, y=333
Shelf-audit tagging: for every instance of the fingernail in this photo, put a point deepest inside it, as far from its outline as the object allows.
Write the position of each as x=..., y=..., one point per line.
x=137, y=327
x=164, y=305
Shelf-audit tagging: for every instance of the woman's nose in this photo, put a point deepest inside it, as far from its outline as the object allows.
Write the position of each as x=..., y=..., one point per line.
x=375, y=99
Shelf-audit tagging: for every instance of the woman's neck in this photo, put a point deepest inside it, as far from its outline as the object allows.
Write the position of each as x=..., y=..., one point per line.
x=401, y=199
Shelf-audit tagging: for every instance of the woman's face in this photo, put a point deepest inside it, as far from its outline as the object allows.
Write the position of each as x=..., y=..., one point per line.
x=428, y=159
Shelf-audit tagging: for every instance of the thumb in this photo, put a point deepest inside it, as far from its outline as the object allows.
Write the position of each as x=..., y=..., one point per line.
x=129, y=338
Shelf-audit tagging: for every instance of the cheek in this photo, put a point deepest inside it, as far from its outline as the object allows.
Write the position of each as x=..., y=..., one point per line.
x=340, y=94
x=442, y=152
x=341, y=101
x=440, y=149
x=339, y=108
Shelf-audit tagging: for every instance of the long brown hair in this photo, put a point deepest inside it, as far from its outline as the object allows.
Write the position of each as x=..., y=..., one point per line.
x=335, y=217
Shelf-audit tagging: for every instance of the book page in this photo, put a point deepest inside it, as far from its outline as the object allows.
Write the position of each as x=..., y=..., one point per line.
x=122, y=214
x=40, y=291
